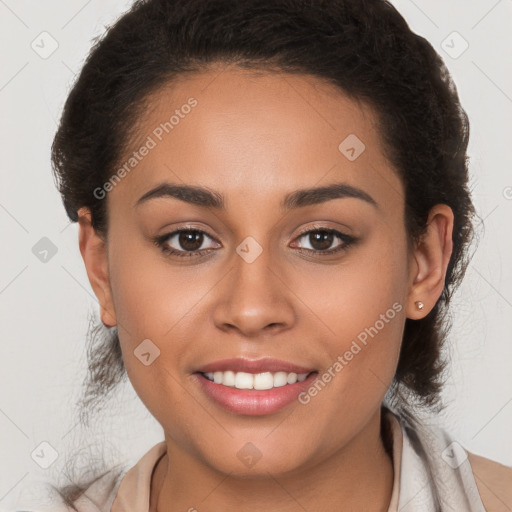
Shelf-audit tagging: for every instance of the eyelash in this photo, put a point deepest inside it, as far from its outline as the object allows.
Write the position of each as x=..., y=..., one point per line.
x=160, y=242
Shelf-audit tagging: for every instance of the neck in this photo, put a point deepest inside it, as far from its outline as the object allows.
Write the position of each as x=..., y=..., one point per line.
x=359, y=476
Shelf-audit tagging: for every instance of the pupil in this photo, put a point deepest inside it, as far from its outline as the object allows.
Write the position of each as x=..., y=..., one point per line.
x=321, y=240
x=189, y=240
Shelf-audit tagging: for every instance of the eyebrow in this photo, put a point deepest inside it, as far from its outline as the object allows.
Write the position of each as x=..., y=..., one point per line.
x=204, y=197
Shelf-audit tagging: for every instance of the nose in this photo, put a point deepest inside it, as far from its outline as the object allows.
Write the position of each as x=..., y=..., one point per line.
x=254, y=299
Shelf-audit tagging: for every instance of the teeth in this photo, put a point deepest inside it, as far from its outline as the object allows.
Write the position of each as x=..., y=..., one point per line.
x=280, y=379
x=263, y=381
x=260, y=381
x=244, y=380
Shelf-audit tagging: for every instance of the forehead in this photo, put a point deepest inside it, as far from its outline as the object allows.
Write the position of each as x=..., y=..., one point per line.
x=246, y=132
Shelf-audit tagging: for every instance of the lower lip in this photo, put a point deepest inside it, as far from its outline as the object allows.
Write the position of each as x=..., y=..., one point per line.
x=254, y=402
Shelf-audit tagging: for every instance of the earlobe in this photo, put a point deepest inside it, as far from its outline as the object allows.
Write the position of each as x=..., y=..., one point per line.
x=94, y=254
x=431, y=258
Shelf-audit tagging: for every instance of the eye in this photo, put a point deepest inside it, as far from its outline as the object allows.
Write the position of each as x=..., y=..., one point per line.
x=321, y=239
x=184, y=242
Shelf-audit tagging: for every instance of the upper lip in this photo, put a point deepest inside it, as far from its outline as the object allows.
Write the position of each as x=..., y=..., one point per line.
x=253, y=366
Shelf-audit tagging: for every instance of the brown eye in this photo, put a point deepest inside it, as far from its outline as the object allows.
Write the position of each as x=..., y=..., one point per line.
x=321, y=240
x=185, y=242
x=190, y=240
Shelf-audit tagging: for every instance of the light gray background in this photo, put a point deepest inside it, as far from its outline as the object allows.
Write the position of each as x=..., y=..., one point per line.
x=44, y=305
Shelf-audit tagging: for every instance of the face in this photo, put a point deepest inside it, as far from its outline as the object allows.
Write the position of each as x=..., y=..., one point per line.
x=262, y=279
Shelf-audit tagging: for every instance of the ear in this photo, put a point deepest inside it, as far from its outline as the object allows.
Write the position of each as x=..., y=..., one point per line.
x=94, y=253
x=430, y=262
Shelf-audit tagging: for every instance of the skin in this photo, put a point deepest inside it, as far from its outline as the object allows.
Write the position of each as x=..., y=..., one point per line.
x=255, y=138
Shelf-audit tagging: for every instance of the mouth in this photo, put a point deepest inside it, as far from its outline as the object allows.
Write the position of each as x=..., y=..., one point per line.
x=253, y=387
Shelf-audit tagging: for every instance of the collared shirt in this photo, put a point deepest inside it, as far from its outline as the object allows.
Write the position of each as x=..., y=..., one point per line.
x=432, y=473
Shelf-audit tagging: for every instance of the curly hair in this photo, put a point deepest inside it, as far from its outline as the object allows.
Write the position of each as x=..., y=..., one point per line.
x=363, y=47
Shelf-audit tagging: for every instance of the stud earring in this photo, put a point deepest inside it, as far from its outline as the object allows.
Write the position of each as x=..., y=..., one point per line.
x=419, y=304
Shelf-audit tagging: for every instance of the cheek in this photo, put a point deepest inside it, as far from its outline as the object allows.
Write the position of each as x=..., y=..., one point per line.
x=361, y=305
x=150, y=295
x=151, y=303
x=368, y=287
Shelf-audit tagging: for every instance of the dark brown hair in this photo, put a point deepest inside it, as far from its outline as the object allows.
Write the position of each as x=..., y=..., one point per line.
x=364, y=47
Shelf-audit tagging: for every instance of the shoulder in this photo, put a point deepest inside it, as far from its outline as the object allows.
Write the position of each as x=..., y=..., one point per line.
x=494, y=482
x=457, y=476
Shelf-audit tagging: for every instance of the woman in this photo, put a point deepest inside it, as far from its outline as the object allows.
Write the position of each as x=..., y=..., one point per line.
x=274, y=213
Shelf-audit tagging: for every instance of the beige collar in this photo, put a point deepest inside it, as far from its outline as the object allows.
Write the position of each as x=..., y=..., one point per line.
x=133, y=492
